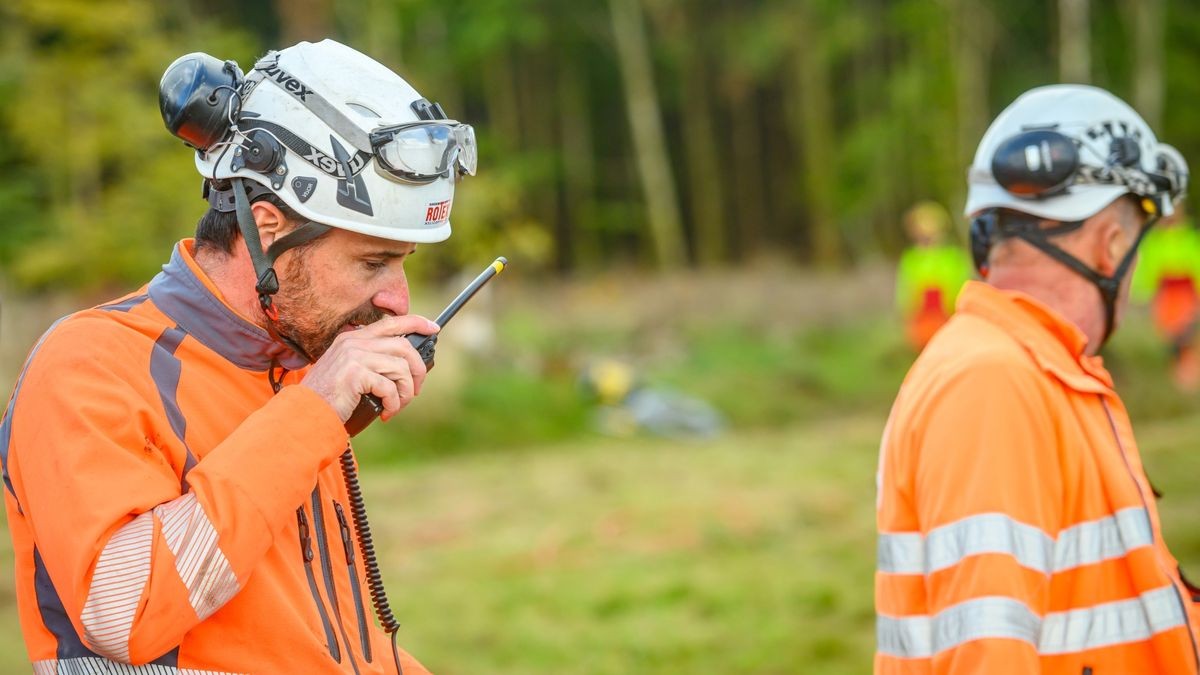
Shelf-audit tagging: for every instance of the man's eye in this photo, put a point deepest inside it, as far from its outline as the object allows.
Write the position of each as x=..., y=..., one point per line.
x=374, y=265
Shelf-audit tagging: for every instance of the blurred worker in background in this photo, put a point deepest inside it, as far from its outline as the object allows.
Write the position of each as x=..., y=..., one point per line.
x=1017, y=529
x=930, y=274
x=1167, y=276
x=625, y=405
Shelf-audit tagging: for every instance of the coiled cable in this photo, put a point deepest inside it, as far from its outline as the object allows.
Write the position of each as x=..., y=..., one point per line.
x=366, y=546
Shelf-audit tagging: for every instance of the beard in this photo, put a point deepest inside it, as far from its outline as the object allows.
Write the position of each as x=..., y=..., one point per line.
x=304, y=322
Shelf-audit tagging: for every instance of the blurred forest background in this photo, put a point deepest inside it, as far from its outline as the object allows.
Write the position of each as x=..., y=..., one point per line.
x=710, y=191
x=658, y=133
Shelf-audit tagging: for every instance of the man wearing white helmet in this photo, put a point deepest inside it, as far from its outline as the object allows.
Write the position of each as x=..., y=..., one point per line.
x=180, y=490
x=1017, y=529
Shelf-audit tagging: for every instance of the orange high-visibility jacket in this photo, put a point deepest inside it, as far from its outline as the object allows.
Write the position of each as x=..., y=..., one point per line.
x=1017, y=529
x=167, y=508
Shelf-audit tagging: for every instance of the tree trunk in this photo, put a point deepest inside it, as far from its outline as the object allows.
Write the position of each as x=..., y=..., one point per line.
x=871, y=68
x=374, y=27
x=433, y=40
x=500, y=95
x=747, y=204
x=705, y=183
x=645, y=122
x=972, y=41
x=540, y=117
x=578, y=157
x=1074, y=41
x=304, y=20
x=812, y=109
x=1147, y=18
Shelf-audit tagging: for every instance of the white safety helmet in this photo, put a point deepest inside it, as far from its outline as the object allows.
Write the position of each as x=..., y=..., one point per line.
x=345, y=142
x=1064, y=152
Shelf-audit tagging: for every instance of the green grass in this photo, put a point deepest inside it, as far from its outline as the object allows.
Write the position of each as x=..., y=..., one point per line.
x=750, y=554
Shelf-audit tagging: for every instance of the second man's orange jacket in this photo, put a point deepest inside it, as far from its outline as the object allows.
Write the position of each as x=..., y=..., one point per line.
x=1017, y=529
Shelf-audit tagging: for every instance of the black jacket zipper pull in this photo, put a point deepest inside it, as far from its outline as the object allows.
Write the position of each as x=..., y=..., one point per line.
x=305, y=537
x=347, y=543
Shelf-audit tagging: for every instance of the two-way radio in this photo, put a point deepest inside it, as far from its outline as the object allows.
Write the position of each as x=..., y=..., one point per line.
x=370, y=406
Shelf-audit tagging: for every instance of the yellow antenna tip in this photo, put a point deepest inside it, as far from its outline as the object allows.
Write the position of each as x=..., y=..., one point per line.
x=500, y=264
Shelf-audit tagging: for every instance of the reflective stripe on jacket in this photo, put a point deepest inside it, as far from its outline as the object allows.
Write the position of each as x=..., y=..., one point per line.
x=1017, y=530
x=168, y=509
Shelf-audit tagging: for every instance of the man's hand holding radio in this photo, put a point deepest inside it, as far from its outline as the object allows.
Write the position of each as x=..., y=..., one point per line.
x=372, y=360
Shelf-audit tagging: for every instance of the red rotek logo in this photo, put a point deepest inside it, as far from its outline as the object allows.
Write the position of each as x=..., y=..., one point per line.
x=437, y=212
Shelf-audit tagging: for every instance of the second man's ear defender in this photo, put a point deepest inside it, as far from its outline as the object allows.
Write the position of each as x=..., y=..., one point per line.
x=1035, y=164
x=982, y=236
x=1043, y=162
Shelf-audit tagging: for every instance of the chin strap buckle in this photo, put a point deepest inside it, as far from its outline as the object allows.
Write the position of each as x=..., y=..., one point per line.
x=268, y=283
x=267, y=286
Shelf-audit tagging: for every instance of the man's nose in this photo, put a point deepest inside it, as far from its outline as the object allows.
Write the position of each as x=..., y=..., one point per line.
x=393, y=298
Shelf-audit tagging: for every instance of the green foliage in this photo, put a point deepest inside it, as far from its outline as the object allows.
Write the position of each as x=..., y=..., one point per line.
x=93, y=190
x=96, y=191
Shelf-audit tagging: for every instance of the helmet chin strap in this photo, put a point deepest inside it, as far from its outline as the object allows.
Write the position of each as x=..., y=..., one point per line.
x=267, y=284
x=1109, y=286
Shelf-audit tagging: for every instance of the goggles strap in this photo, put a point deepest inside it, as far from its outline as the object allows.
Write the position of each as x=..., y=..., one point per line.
x=268, y=68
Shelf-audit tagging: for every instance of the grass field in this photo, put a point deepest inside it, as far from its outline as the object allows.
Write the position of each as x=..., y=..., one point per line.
x=751, y=554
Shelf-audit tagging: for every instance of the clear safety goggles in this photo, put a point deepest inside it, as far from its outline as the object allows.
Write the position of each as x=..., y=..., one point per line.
x=422, y=152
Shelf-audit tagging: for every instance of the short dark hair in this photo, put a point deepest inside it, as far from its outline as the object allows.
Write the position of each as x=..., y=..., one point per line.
x=219, y=230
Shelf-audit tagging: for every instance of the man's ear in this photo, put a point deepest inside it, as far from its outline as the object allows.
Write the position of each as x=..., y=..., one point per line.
x=1113, y=240
x=271, y=222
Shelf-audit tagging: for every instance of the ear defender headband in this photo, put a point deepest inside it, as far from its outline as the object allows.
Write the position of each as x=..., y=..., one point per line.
x=1044, y=163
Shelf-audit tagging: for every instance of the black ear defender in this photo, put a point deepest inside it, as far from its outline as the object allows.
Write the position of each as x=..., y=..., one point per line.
x=1036, y=164
x=1043, y=162
x=200, y=101
x=194, y=98
x=983, y=235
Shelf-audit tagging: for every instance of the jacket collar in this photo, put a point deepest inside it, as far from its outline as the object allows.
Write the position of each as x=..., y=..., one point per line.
x=185, y=294
x=1055, y=344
